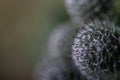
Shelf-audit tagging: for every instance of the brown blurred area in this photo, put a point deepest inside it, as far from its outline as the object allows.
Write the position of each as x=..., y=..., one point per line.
x=24, y=27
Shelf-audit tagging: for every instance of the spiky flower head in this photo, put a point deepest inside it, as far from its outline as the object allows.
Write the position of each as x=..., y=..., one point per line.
x=96, y=50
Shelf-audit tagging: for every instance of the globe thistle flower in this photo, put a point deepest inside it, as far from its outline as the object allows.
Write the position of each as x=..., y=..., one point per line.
x=96, y=50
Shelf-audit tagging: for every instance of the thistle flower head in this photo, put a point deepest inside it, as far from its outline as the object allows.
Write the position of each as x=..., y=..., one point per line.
x=96, y=51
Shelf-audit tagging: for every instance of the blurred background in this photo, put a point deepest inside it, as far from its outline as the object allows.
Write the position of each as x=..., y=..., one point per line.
x=25, y=26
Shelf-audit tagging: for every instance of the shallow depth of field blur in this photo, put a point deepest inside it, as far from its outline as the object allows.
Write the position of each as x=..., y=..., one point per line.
x=24, y=29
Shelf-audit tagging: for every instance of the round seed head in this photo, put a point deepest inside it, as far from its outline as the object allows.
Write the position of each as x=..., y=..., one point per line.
x=96, y=51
